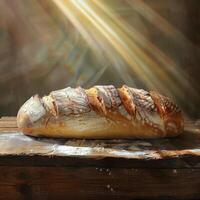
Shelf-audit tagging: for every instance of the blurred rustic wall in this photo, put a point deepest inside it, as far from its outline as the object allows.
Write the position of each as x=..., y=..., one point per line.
x=41, y=51
x=185, y=16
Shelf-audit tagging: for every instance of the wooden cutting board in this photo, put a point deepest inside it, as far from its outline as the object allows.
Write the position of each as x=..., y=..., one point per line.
x=46, y=168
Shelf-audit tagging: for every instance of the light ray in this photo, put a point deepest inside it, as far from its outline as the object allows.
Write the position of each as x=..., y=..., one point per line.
x=110, y=35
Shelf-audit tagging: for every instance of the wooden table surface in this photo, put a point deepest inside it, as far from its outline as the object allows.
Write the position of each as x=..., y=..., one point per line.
x=46, y=168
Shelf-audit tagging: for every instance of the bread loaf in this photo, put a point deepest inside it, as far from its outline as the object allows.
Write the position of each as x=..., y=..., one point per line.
x=101, y=112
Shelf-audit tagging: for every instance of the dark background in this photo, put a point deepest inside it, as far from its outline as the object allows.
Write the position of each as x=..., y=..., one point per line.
x=40, y=50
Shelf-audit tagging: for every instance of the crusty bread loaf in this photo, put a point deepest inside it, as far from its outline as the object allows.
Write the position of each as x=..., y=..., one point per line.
x=101, y=112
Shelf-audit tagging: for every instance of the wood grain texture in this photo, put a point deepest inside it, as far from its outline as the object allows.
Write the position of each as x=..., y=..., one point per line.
x=98, y=183
x=8, y=124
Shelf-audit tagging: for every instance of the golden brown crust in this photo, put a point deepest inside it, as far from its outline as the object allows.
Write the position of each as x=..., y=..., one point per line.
x=127, y=100
x=101, y=112
x=96, y=102
x=169, y=112
x=100, y=129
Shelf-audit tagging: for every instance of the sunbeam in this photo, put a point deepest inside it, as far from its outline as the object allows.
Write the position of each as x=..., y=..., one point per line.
x=107, y=32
